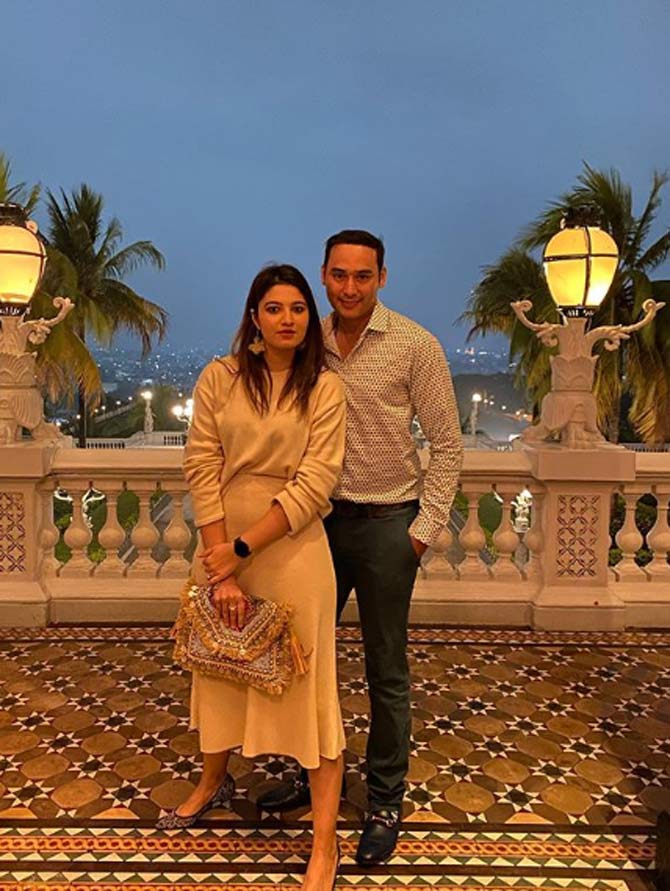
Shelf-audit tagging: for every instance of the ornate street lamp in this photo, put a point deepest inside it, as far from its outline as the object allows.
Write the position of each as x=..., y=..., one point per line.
x=22, y=262
x=580, y=263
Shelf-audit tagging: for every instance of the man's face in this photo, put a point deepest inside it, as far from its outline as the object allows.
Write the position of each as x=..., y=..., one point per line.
x=352, y=279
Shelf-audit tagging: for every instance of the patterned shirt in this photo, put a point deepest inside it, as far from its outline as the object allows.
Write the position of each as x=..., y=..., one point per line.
x=397, y=370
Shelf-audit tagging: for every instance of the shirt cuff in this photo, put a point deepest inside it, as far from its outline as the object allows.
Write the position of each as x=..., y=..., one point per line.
x=425, y=530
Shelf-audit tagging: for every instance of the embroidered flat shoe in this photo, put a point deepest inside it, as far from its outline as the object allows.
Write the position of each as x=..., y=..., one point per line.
x=221, y=798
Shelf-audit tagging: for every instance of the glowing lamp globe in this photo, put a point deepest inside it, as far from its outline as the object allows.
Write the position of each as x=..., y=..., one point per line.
x=579, y=263
x=22, y=260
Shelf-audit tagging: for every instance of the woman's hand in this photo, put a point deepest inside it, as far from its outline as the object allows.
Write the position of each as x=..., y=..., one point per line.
x=220, y=561
x=230, y=603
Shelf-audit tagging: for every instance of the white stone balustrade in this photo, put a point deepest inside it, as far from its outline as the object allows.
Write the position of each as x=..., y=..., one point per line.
x=554, y=575
x=645, y=591
x=144, y=568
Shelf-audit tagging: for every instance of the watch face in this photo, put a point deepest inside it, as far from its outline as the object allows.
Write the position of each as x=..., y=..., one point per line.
x=241, y=548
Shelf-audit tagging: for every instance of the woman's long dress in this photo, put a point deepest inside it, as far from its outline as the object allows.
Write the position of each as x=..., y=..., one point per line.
x=237, y=463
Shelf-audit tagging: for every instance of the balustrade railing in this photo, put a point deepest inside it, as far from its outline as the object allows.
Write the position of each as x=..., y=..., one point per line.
x=114, y=538
x=139, y=440
x=640, y=524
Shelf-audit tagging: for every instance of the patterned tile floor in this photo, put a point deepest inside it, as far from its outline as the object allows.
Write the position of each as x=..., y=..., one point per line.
x=540, y=760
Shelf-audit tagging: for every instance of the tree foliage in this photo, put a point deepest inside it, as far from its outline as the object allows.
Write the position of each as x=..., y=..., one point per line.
x=642, y=366
x=89, y=263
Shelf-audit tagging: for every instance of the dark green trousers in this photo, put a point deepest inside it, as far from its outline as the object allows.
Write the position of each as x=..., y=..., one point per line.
x=375, y=558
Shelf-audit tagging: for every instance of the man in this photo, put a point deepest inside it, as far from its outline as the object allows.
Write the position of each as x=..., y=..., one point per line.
x=383, y=516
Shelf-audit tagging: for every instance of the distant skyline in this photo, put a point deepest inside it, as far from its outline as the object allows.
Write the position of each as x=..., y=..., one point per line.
x=236, y=133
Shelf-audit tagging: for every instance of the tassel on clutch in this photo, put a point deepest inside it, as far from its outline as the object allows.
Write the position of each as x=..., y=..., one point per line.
x=265, y=653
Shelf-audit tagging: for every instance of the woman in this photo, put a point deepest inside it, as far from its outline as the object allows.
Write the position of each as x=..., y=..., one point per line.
x=264, y=452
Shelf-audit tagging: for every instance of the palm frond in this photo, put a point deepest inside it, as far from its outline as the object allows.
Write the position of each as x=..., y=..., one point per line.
x=516, y=276
x=16, y=193
x=648, y=377
x=643, y=225
x=113, y=235
x=130, y=258
x=607, y=388
x=64, y=363
x=656, y=254
x=133, y=313
x=602, y=189
x=537, y=233
x=65, y=367
x=88, y=206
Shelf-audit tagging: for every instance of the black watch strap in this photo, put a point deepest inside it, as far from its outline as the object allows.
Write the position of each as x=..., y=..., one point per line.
x=241, y=548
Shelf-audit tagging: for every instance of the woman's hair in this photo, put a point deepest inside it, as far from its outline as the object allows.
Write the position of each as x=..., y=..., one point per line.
x=309, y=357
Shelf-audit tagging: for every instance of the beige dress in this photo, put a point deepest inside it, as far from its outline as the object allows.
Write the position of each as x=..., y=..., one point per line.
x=237, y=463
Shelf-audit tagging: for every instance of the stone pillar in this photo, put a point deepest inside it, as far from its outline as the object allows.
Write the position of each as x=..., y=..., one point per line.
x=576, y=590
x=23, y=468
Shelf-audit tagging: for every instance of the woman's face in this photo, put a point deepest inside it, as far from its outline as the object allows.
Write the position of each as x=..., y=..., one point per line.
x=283, y=317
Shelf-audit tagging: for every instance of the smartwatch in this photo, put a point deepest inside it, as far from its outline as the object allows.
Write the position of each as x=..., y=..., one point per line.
x=241, y=548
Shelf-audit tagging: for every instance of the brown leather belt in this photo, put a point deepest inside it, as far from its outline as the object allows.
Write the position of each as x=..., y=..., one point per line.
x=354, y=509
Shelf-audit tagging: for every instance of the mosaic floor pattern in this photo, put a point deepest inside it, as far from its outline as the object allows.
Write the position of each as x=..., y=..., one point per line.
x=540, y=760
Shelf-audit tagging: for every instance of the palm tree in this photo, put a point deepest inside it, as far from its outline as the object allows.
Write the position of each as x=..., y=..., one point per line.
x=65, y=366
x=63, y=358
x=96, y=261
x=642, y=367
x=16, y=193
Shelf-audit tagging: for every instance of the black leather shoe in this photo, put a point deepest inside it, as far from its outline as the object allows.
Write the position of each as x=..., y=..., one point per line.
x=379, y=837
x=291, y=794
x=288, y=795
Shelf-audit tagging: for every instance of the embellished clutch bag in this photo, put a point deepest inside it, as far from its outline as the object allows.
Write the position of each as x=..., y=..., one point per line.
x=264, y=654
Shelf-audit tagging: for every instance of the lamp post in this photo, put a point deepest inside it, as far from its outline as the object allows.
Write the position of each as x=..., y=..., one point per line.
x=184, y=412
x=22, y=262
x=579, y=262
x=474, y=415
x=147, y=395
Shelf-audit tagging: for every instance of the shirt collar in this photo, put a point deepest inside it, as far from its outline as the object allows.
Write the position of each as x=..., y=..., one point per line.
x=379, y=321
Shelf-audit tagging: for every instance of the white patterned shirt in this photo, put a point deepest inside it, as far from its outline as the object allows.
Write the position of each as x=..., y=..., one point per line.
x=397, y=370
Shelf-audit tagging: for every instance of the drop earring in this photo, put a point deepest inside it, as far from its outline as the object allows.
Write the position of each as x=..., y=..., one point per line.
x=257, y=345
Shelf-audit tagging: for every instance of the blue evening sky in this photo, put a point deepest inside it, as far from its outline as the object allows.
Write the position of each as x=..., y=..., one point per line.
x=236, y=132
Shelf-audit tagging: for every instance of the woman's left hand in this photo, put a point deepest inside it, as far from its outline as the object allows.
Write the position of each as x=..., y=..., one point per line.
x=220, y=562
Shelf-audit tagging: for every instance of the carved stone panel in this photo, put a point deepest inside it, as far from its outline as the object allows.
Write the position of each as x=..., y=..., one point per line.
x=578, y=519
x=12, y=532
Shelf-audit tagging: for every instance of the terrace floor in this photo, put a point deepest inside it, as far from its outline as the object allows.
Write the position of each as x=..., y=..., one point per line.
x=540, y=760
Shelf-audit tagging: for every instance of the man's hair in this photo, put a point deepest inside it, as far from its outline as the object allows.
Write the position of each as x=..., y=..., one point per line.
x=356, y=236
